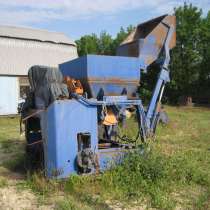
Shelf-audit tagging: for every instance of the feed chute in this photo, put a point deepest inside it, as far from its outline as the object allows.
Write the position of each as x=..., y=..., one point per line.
x=147, y=40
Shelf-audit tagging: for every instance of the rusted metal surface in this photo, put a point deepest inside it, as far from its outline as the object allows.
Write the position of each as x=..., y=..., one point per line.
x=113, y=81
x=34, y=113
x=36, y=142
x=122, y=85
x=104, y=145
x=147, y=40
x=74, y=86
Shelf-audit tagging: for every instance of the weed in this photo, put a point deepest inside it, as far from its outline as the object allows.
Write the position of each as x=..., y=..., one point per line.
x=66, y=205
x=41, y=186
x=202, y=201
x=3, y=182
x=16, y=163
x=71, y=204
x=152, y=175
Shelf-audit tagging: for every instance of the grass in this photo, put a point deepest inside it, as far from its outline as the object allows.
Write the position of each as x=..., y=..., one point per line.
x=70, y=203
x=9, y=129
x=3, y=182
x=173, y=172
x=153, y=176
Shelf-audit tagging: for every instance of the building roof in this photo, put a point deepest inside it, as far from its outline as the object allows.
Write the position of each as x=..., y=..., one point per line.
x=35, y=34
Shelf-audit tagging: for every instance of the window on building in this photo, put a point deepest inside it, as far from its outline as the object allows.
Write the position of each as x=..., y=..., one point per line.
x=23, y=87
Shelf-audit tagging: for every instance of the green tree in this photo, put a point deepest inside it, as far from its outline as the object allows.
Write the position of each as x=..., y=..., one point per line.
x=186, y=57
x=88, y=44
x=105, y=44
x=203, y=84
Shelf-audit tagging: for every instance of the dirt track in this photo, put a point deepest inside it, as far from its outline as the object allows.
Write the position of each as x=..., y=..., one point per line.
x=13, y=199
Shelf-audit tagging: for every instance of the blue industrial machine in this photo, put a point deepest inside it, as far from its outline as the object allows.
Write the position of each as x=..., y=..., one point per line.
x=73, y=125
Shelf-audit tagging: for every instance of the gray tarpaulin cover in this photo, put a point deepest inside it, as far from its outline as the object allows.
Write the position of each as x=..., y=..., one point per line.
x=47, y=85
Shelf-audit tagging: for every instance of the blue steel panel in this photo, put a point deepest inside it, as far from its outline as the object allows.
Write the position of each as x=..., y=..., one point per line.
x=64, y=120
x=110, y=67
x=114, y=89
x=108, y=158
x=111, y=73
x=98, y=66
x=76, y=68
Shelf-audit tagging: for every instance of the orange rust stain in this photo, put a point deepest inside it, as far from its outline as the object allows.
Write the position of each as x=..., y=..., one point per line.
x=74, y=86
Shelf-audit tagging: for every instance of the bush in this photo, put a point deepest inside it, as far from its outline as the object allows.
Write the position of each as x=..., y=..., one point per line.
x=150, y=175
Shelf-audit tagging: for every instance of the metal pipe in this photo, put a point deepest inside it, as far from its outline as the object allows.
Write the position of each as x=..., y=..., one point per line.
x=108, y=103
x=163, y=78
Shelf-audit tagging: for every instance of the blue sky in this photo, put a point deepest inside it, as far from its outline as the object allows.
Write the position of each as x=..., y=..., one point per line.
x=79, y=17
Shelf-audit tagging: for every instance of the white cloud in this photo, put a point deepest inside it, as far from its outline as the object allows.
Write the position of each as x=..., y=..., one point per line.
x=35, y=11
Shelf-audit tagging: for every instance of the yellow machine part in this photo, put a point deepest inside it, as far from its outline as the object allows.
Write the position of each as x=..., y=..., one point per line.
x=110, y=118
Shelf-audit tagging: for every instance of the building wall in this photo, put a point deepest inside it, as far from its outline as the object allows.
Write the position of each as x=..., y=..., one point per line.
x=17, y=56
x=9, y=95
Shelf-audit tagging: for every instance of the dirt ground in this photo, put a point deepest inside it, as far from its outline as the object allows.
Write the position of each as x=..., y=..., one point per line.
x=12, y=195
x=11, y=198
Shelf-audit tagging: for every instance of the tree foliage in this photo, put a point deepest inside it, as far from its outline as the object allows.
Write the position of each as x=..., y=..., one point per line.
x=88, y=44
x=105, y=44
x=190, y=59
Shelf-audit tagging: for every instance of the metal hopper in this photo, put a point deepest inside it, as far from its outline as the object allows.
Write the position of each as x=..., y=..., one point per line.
x=105, y=75
x=148, y=38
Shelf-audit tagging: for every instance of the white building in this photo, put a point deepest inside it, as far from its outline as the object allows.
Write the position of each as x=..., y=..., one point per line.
x=21, y=48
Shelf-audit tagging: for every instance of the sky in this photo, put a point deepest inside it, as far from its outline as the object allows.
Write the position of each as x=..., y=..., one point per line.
x=76, y=18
